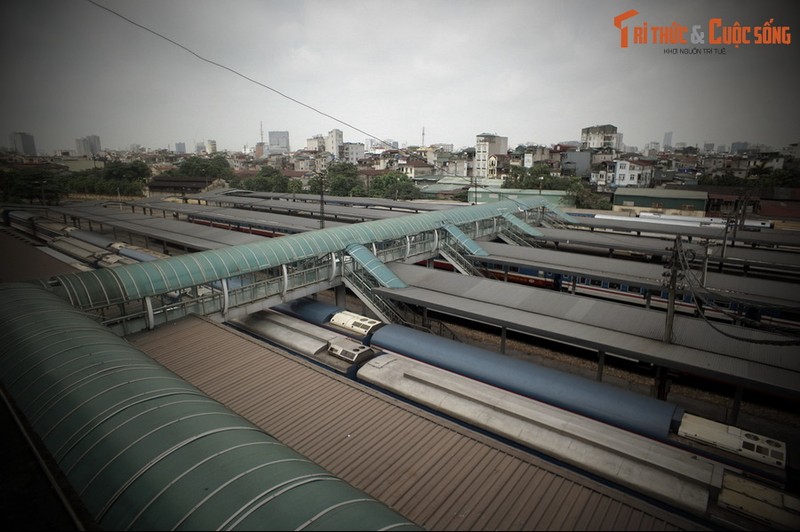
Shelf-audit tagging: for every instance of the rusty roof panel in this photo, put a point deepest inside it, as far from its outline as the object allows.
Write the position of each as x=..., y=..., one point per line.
x=436, y=473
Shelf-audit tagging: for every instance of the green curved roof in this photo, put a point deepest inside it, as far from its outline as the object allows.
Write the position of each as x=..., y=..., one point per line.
x=144, y=449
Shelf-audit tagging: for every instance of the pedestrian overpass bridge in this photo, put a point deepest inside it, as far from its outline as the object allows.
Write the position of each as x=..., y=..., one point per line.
x=232, y=282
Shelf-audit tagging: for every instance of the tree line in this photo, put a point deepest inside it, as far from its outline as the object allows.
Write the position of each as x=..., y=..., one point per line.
x=339, y=179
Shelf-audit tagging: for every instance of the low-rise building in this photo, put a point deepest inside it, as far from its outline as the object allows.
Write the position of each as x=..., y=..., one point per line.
x=666, y=201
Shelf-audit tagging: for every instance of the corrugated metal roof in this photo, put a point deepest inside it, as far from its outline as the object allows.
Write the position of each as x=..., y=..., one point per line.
x=259, y=212
x=437, y=474
x=641, y=273
x=660, y=193
x=281, y=199
x=608, y=326
x=610, y=240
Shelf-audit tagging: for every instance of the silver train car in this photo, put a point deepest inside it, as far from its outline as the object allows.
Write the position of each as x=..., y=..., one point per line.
x=635, y=413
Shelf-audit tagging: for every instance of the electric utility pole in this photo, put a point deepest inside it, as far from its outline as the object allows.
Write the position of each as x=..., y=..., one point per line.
x=672, y=286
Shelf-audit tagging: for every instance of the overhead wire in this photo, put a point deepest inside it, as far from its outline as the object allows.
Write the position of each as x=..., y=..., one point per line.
x=700, y=311
x=250, y=79
x=236, y=72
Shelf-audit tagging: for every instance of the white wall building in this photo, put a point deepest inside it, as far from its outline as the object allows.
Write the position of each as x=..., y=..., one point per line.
x=334, y=141
x=485, y=145
x=632, y=174
x=315, y=143
x=605, y=136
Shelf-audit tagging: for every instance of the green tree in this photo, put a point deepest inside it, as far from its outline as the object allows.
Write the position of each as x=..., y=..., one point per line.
x=780, y=178
x=133, y=171
x=295, y=186
x=270, y=179
x=213, y=168
x=462, y=195
x=586, y=199
x=343, y=179
x=394, y=185
x=317, y=182
x=257, y=184
x=526, y=178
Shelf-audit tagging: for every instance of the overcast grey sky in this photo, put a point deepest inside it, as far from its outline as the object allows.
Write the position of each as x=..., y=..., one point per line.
x=530, y=70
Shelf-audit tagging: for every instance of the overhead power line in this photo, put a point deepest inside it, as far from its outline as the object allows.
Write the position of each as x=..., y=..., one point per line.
x=236, y=72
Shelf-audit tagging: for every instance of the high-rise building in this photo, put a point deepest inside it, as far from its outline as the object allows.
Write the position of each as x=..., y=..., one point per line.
x=333, y=142
x=180, y=147
x=487, y=144
x=605, y=136
x=652, y=146
x=738, y=147
x=22, y=143
x=667, y=141
x=211, y=146
x=88, y=145
x=279, y=142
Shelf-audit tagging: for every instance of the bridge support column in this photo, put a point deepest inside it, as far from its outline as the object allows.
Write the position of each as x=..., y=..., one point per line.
x=601, y=363
x=340, y=296
x=663, y=382
x=733, y=413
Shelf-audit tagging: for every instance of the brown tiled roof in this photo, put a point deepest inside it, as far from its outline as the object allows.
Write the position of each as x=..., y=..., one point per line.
x=435, y=472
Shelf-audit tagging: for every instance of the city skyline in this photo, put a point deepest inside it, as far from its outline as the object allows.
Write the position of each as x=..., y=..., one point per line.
x=533, y=71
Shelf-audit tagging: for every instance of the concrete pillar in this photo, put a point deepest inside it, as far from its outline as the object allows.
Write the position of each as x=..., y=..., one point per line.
x=340, y=296
x=601, y=363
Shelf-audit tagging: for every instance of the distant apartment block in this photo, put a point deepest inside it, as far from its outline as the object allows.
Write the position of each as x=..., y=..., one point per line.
x=22, y=143
x=279, y=142
x=487, y=144
x=211, y=146
x=632, y=173
x=378, y=145
x=576, y=163
x=180, y=147
x=88, y=146
x=333, y=142
x=605, y=136
x=667, y=141
x=351, y=152
x=737, y=147
x=315, y=143
x=448, y=148
x=534, y=155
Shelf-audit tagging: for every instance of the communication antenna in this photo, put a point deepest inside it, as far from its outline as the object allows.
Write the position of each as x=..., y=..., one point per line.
x=262, y=131
x=423, y=136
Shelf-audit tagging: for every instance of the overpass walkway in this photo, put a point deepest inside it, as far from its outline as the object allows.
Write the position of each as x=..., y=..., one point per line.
x=234, y=281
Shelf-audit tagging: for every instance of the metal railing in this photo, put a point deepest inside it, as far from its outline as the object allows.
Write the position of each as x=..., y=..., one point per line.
x=460, y=262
